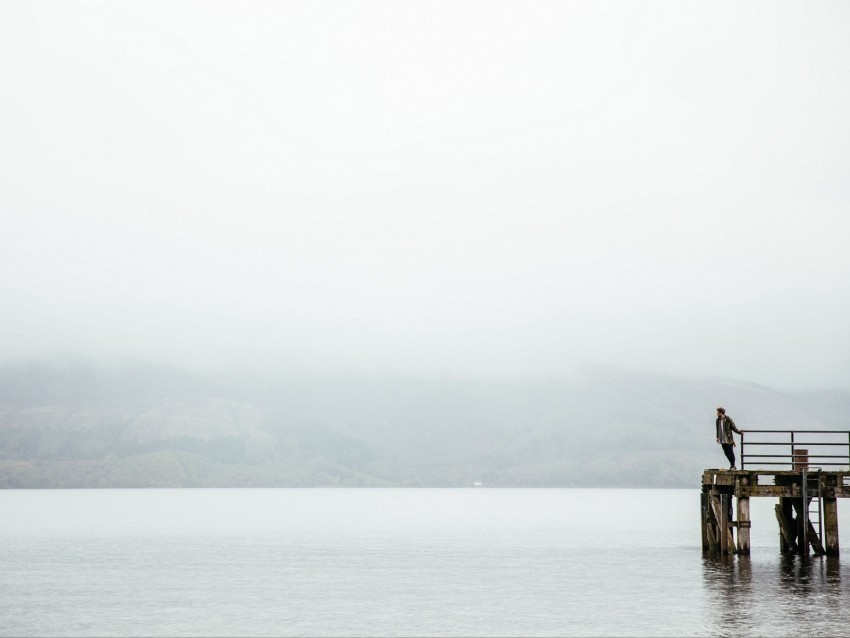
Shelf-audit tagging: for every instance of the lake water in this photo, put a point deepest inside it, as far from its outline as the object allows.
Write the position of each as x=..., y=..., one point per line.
x=398, y=562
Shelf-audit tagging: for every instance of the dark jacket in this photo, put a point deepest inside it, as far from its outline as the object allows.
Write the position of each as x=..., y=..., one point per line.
x=724, y=433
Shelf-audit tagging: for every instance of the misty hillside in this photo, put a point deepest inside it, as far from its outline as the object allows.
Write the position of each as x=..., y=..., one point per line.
x=76, y=424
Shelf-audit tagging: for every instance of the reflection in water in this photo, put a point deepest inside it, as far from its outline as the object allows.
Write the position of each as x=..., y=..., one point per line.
x=728, y=584
x=776, y=595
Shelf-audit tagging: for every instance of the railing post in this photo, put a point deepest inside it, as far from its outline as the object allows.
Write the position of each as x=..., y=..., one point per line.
x=743, y=456
x=792, y=450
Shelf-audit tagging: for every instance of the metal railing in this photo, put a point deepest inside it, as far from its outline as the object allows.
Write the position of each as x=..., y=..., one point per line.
x=798, y=449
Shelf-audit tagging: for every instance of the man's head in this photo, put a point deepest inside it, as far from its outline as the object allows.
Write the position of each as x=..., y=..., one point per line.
x=721, y=411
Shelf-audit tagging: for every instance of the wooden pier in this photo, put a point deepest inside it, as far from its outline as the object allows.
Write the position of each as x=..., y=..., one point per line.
x=807, y=507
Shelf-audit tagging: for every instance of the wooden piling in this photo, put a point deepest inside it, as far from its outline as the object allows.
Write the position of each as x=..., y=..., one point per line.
x=787, y=526
x=722, y=509
x=787, y=531
x=802, y=526
x=830, y=526
x=743, y=515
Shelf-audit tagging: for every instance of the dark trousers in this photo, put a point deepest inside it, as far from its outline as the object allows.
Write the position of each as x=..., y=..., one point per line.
x=729, y=451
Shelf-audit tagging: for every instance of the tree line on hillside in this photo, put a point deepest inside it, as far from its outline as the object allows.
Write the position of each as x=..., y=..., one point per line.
x=73, y=425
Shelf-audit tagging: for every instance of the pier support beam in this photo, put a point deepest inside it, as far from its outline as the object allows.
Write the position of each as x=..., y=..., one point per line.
x=830, y=526
x=801, y=508
x=807, y=535
x=719, y=530
x=723, y=523
x=787, y=528
x=742, y=490
x=704, y=524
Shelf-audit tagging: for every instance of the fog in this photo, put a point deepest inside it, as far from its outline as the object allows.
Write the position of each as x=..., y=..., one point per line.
x=449, y=188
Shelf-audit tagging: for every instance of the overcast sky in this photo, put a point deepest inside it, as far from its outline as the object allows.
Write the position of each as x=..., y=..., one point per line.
x=454, y=187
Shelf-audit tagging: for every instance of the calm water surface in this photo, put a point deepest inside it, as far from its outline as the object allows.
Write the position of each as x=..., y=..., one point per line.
x=404, y=562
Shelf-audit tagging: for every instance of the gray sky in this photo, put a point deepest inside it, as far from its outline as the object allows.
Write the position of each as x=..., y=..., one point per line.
x=445, y=187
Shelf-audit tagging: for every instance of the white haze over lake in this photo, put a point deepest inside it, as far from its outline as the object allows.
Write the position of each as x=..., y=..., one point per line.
x=464, y=187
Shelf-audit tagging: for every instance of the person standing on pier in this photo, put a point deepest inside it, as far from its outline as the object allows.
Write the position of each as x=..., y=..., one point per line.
x=725, y=427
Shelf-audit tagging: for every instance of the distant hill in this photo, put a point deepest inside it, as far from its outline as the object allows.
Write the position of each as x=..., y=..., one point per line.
x=77, y=424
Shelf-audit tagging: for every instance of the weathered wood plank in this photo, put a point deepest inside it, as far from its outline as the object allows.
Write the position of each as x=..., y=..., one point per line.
x=830, y=526
x=721, y=507
x=775, y=491
x=787, y=530
x=744, y=526
x=743, y=516
x=802, y=529
x=713, y=542
x=814, y=540
x=811, y=535
x=786, y=483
